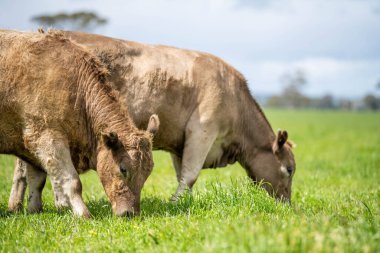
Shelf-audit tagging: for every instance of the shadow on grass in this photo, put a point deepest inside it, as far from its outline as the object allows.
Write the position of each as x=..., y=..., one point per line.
x=4, y=213
x=218, y=197
x=101, y=209
x=150, y=207
x=156, y=207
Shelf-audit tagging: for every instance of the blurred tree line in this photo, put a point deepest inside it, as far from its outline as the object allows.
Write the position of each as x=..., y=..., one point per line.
x=292, y=96
x=77, y=21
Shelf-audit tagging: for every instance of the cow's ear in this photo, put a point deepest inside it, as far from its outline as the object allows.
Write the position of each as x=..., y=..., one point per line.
x=154, y=124
x=281, y=138
x=111, y=140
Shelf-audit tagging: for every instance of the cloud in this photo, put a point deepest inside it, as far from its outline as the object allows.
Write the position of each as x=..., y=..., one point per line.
x=337, y=41
x=356, y=78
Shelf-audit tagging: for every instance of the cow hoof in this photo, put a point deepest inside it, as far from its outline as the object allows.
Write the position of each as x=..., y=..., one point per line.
x=15, y=208
x=174, y=198
x=35, y=209
x=62, y=207
x=86, y=215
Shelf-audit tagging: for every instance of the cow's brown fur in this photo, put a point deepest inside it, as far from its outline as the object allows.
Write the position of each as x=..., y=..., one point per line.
x=55, y=99
x=207, y=114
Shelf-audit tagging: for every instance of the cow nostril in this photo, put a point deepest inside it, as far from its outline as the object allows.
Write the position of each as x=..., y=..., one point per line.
x=129, y=214
x=126, y=213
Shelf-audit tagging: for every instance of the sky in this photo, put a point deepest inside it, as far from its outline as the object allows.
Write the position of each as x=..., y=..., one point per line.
x=335, y=42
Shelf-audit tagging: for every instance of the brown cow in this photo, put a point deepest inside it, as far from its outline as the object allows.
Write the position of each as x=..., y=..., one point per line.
x=59, y=114
x=208, y=116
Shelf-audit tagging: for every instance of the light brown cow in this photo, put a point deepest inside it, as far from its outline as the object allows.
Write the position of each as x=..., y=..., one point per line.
x=208, y=116
x=58, y=113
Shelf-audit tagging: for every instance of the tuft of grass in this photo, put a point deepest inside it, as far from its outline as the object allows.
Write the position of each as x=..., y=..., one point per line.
x=335, y=203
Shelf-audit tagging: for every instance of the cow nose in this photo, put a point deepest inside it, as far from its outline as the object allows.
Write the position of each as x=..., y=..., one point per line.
x=126, y=213
x=283, y=199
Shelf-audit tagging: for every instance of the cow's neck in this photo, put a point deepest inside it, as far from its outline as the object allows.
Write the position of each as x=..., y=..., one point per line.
x=257, y=134
x=103, y=112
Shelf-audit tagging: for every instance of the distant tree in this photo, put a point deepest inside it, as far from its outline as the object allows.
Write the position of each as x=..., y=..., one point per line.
x=371, y=102
x=325, y=102
x=295, y=79
x=76, y=21
x=275, y=101
x=345, y=104
x=293, y=97
x=293, y=83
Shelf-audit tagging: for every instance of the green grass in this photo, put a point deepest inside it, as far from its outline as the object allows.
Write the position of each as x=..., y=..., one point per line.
x=336, y=202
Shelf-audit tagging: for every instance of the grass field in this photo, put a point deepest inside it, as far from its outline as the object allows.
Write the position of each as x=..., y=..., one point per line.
x=336, y=202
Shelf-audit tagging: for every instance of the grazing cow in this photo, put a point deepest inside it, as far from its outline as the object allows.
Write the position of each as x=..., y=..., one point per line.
x=208, y=117
x=59, y=114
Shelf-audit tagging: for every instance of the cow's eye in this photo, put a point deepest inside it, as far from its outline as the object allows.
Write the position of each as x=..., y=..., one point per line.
x=290, y=170
x=123, y=170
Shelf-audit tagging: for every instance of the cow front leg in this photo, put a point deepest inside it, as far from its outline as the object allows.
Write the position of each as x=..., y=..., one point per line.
x=199, y=140
x=54, y=155
x=19, y=184
x=36, y=179
x=24, y=175
x=61, y=202
x=177, y=163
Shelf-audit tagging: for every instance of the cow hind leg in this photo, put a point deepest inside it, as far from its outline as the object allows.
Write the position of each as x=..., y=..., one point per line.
x=36, y=179
x=54, y=155
x=19, y=185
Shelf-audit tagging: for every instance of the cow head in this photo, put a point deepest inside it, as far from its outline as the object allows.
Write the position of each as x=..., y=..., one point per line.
x=274, y=167
x=124, y=164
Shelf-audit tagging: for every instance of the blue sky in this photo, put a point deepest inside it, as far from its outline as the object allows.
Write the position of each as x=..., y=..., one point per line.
x=336, y=42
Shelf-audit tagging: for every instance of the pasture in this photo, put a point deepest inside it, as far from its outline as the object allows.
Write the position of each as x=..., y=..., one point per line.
x=335, y=202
